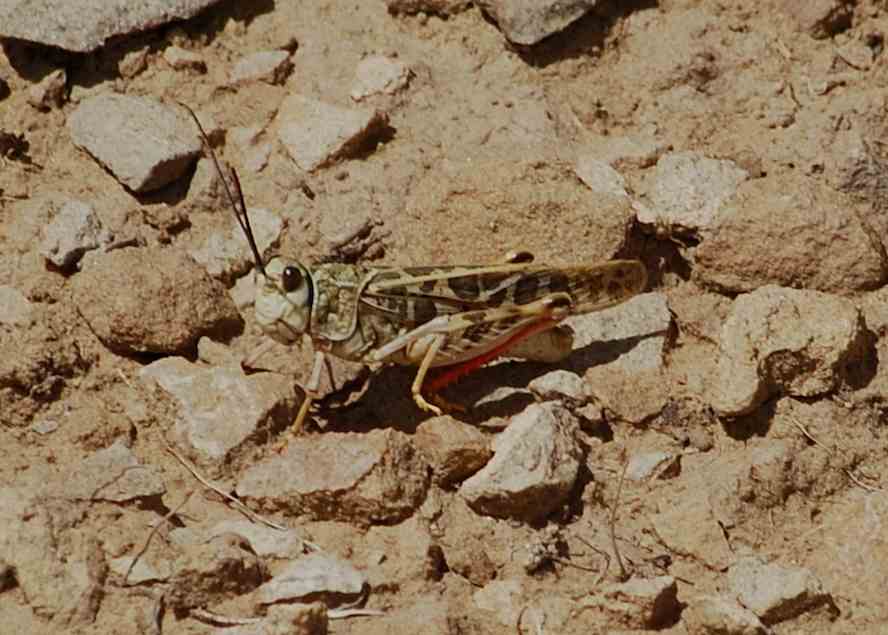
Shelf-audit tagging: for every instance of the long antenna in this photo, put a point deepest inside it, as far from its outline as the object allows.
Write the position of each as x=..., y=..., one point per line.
x=240, y=212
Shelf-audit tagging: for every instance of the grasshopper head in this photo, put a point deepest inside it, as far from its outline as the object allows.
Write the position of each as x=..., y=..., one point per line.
x=284, y=295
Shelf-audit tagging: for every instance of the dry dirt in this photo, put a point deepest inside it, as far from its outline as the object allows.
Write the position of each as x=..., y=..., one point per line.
x=478, y=160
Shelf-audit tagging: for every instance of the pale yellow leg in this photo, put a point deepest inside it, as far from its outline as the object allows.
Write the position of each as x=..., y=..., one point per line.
x=311, y=390
x=428, y=358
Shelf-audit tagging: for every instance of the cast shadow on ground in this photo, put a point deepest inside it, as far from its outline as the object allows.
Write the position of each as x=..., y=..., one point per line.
x=490, y=394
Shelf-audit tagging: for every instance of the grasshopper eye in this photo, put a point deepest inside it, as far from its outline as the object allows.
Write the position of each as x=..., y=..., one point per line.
x=291, y=278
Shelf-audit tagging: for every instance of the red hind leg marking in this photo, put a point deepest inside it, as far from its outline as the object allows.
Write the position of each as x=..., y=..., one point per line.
x=457, y=371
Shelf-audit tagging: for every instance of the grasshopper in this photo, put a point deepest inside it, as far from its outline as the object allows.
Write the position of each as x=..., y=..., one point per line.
x=457, y=317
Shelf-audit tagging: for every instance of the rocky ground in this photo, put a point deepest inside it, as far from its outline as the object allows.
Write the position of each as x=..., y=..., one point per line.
x=710, y=459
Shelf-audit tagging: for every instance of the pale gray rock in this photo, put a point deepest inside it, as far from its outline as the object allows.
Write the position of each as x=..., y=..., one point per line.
x=264, y=540
x=143, y=143
x=773, y=592
x=640, y=603
x=535, y=464
x=49, y=93
x=243, y=292
x=813, y=233
x=206, y=192
x=784, y=341
x=716, y=615
x=15, y=308
x=314, y=576
x=529, y=21
x=363, y=478
x=184, y=60
x=114, y=474
x=316, y=133
x=378, y=74
x=599, y=176
x=221, y=408
x=271, y=67
x=85, y=25
x=151, y=301
x=213, y=571
x=145, y=570
x=73, y=230
x=645, y=465
x=227, y=255
x=689, y=191
x=454, y=449
x=560, y=385
x=636, y=330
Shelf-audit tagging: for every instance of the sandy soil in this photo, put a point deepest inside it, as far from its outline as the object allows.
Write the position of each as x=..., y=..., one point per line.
x=479, y=160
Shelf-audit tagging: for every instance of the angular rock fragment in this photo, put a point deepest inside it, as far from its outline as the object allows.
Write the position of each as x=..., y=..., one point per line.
x=151, y=301
x=536, y=461
x=529, y=21
x=49, y=93
x=316, y=133
x=264, y=540
x=598, y=176
x=73, y=231
x=378, y=74
x=184, y=60
x=784, y=341
x=145, y=144
x=314, y=576
x=271, y=67
x=113, y=474
x=84, y=25
x=213, y=571
x=560, y=385
x=791, y=231
x=773, y=592
x=364, y=478
x=708, y=615
x=455, y=450
x=689, y=191
x=227, y=255
x=221, y=408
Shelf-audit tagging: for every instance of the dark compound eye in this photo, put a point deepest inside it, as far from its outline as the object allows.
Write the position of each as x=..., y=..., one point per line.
x=291, y=278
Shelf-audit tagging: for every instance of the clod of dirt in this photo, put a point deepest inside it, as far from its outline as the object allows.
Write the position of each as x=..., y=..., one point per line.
x=293, y=619
x=316, y=133
x=361, y=478
x=773, y=592
x=222, y=410
x=455, y=450
x=315, y=576
x=536, y=461
x=113, y=474
x=50, y=92
x=710, y=614
x=529, y=21
x=15, y=309
x=820, y=18
x=811, y=238
x=84, y=25
x=502, y=598
x=211, y=572
x=112, y=127
x=378, y=74
x=184, y=60
x=784, y=341
x=639, y=603
x=151, y=301
x=433, y=7
x=271, y=67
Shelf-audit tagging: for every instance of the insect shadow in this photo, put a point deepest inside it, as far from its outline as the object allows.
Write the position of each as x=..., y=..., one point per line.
x=494, y=392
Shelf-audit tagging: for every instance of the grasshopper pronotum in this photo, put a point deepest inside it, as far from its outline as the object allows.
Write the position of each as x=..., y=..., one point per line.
x=459, y=317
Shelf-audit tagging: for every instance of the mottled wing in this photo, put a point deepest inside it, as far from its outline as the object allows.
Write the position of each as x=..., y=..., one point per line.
x=419, y=294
